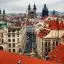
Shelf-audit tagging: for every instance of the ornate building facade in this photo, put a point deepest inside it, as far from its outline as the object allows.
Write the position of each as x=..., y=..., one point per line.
x=12, y=37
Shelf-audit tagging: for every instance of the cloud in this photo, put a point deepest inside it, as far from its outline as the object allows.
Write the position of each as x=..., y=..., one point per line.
x=21, y=5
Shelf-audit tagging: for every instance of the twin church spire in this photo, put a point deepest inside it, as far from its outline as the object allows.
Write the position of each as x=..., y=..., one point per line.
x=34, y=7
x=32, y=12
x=1, y=11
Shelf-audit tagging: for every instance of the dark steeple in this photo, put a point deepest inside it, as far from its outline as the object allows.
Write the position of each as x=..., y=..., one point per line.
x=31, y=12
x=3, y=14
x=29, y=8
x=0, y=11
x=45, y=11
x=3, y=11
x=34, y=8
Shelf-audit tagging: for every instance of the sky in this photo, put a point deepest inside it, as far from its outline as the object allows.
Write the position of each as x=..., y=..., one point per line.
x=20, y=6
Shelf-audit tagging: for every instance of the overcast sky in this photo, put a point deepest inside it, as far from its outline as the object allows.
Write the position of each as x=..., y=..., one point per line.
x=20, y=6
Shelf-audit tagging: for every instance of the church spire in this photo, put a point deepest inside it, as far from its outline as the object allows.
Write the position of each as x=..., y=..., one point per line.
x=3, y=11
x=45, y=11
x=34, y=7
x=29, y=7
x=0, y=11
x=3, y=14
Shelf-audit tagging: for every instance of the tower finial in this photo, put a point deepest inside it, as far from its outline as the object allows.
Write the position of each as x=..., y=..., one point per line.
x=0, y=11
x=34, y=8
x=3, y=11
x=29, y=7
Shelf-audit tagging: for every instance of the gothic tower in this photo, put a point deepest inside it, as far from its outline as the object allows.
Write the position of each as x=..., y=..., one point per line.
x=3, y=14
x=45, y=11
x=34, y=9
x=0, y=11
x=31, y=12
x=29, y=9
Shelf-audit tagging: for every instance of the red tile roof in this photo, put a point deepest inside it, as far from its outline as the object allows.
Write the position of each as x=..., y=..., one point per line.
x=11, y=58
x=55, y=25
x=57, y=54
x=43, y=33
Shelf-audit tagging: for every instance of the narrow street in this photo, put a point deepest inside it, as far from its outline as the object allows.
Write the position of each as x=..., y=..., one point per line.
x=30, y=44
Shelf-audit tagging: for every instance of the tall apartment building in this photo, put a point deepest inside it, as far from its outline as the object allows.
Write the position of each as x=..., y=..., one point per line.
x=12, y=38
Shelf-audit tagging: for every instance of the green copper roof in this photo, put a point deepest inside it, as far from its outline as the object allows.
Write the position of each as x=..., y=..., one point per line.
x=3, y=24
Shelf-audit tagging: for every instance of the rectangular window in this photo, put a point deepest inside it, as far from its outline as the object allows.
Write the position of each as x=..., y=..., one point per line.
x=13, y=44
x=56, y=42
x=9, y=40
x=9, y=45
x=13, y=40
x=13, y=30
x=13, y=50
x=9, y=30
x=2, y=40
x=46, y=51
x=53, y=43
x=46, y=44
x=13, y=34
x=18, y=35
x=9, y=50
x=18, y=40
x=2, y=35
x=9, y=35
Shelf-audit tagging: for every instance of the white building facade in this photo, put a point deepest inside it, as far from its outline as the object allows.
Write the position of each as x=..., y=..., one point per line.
x=13, y=38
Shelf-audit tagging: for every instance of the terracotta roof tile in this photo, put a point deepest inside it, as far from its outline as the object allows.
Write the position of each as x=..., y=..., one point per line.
x=57, y=54
x=11, y=58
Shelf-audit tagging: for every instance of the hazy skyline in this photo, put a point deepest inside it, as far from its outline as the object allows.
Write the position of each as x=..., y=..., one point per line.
x=20, y=6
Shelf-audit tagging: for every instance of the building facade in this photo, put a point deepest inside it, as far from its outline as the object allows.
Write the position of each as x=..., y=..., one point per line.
x=13, y=38
x=48, y=36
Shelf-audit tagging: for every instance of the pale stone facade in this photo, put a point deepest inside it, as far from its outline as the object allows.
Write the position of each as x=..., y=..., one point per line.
x=13, y=39
x=48, y=43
